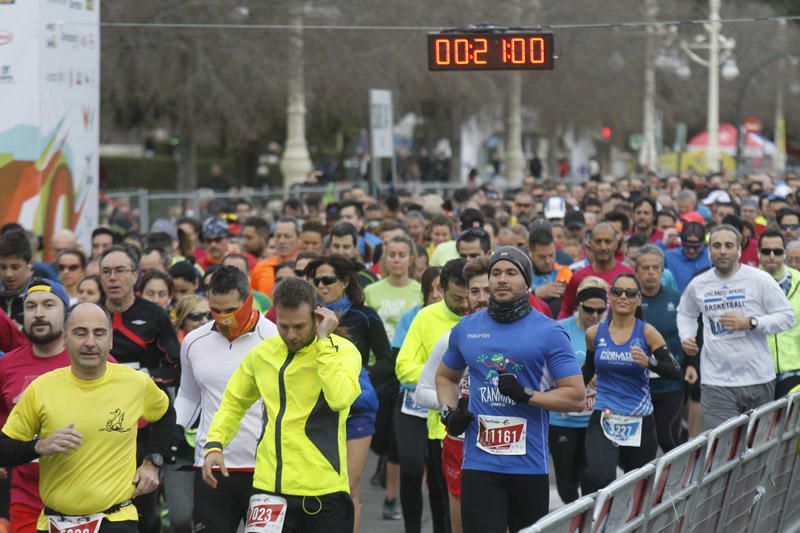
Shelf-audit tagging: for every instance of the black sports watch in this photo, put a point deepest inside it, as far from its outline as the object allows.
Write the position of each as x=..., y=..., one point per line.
x=156, y=458
x=753, y=322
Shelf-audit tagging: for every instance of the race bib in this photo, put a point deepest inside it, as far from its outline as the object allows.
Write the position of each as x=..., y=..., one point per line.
x=622, y=430
x=265, y=514
x=502, y=435
x=410, y=407
x=75, y=524
x=591, y=394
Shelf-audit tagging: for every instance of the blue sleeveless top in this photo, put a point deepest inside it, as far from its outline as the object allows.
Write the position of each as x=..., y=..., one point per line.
x=622, y=385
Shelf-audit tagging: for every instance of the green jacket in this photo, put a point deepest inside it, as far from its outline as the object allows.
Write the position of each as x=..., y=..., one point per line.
x=785, y=346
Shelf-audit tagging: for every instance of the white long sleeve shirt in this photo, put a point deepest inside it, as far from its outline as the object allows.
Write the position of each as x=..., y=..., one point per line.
x=425, y=392
x=735, y=358
x=208, y=360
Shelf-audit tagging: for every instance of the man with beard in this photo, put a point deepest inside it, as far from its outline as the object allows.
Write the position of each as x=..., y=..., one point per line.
x=740, y=305
x=511, y=373
x=307, y=378
x=785, y=346
x=644, y=219
x=43, y=313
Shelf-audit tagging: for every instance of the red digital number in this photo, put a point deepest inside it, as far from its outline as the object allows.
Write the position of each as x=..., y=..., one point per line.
x=537, y=45
x=481, y=47
x=461, y=51
x=442, y=51
x=517, y=50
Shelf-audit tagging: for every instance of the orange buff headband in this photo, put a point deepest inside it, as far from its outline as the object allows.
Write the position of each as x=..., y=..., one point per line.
x=234, y=325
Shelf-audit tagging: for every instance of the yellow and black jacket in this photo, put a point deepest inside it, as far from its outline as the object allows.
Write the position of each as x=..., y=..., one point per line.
x=307, y=396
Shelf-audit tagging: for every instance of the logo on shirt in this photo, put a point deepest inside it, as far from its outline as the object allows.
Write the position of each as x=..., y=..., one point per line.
x=498, y=363
x=138, y=322
x=116, y=422
x=671, y=307
x=601, y=342
x=478, y=335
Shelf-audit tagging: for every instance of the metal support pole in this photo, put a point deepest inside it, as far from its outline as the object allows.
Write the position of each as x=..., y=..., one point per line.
x=515, y=158
x=648, y=156
x=712, y=126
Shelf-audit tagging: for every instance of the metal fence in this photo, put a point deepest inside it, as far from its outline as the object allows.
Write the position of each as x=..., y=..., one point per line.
x=740, y=477
x=143, y=206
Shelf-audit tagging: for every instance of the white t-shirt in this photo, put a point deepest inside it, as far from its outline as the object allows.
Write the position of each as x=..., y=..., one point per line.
x=208, y=360
x=735, y=358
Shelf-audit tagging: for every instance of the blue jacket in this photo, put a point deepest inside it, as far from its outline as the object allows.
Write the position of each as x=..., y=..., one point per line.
x=367, y=401
x=683, y=268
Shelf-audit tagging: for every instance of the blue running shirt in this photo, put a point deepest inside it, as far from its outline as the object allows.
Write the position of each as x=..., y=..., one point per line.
x=538, y=351
x=622, y=385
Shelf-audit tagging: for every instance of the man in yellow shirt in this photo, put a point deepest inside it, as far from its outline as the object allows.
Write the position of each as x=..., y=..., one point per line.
x=307, y=378
x=419, y=443
x=81, y=421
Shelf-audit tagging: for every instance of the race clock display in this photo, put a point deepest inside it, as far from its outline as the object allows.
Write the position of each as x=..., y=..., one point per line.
x=504, y=50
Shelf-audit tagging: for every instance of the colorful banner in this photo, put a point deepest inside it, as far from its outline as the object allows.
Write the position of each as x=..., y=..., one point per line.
x=49, y=120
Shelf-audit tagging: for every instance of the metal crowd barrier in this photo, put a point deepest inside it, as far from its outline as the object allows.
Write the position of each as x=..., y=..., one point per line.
x=739, y=477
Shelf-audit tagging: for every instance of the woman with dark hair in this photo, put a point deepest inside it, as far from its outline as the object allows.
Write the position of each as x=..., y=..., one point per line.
x=337, y=286
x=621, y=353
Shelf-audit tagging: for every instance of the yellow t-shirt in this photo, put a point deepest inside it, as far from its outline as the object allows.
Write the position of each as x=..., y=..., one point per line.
x=99, y=474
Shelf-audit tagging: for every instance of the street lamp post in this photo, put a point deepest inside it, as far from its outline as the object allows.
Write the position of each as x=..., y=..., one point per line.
x=720, y=50
x=648, y=156
x=296, y=162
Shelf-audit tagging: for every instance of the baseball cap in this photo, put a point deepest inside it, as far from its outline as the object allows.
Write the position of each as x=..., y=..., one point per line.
x=556, y=207
x=214, y=227
x=717, y=197
x=693, y=216
x=574, y=219
x=48, y=285
x=164, y=225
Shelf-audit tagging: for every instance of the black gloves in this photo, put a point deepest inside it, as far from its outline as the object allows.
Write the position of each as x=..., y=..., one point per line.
x=457, y=420
x=508, y=385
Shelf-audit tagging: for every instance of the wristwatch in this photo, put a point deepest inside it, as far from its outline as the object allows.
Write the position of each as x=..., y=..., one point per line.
x=156, y=458
x=444, y=412
x=753, y=322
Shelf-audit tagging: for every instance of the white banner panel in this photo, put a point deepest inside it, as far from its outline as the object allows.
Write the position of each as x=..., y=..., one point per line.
x=49, y=117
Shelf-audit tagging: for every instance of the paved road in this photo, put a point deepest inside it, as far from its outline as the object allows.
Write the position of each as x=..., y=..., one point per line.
x=372, y=501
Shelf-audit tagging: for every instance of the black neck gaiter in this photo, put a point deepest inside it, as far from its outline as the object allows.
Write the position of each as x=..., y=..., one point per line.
x=509, y=312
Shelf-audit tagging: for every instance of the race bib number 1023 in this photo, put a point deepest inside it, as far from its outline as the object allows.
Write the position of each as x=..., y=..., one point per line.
x=265, y=514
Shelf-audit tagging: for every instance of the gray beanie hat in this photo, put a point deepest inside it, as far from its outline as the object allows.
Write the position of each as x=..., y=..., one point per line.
x=517, y=257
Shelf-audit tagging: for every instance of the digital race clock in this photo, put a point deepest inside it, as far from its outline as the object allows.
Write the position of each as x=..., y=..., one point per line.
x=491, y=50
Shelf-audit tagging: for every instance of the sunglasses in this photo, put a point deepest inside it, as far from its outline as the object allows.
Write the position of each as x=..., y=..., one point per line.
x=199, y=315
x=777, y=252
x=325, y=280
x=71, y=268
x=792, y=227
x=693, y=245
x=299, y=272
x=593, y=310
x=619, y=291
